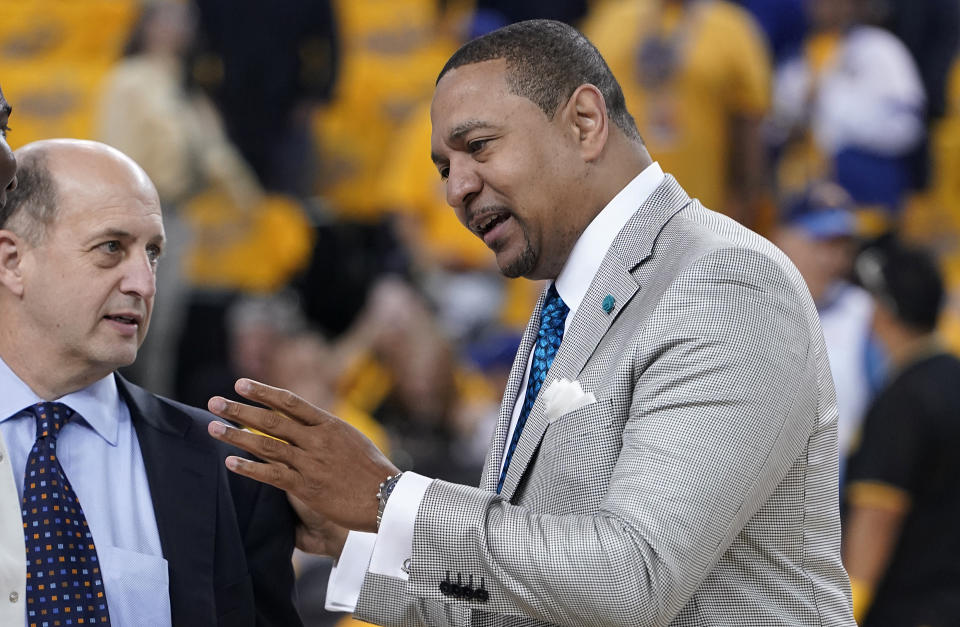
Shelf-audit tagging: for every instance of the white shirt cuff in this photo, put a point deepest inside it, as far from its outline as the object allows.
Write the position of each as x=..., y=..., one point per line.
x=384, y=553
x=394, y=545
x=346, y=578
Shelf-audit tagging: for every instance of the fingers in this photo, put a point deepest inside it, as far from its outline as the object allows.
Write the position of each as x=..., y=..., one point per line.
x=263, y=447
x=271, y=422
x=274, y=474
x=304, y=512
x=281, y=400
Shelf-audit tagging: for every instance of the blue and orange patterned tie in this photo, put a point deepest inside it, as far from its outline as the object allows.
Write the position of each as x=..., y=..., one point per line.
x=64, y=584
x=552, y=318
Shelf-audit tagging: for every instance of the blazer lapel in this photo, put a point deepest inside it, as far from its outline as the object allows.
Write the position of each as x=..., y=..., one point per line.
x=615, y=277
x=491, y=467
x=183, y=488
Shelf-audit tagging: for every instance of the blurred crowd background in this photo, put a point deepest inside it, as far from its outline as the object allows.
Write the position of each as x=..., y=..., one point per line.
x=311, y=246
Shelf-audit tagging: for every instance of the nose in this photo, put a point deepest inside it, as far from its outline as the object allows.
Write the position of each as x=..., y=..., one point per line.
x=139, y=277
x=463, y=184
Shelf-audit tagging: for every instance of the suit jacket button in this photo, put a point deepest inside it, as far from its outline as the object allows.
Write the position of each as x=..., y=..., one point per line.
x=481, y=594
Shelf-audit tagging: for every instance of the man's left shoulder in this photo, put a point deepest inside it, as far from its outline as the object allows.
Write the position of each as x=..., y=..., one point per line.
x=174, y=418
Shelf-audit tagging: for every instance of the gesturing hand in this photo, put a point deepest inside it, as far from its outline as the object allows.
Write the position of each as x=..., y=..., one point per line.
x=316, y=534
x=321, y=460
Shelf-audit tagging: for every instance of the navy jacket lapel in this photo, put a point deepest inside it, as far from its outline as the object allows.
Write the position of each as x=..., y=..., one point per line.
x=183, y=488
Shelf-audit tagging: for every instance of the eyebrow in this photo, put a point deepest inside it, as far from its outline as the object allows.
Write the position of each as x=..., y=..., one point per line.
x=121, y=234
x=118, y=233
x=457, y=132
x=6, y=109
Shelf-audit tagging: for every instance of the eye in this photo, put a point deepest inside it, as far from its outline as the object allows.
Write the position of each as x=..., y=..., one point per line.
x=5, y=129
x=154, y=253
x=112, y=247
x=476, y=145
x=444, y=173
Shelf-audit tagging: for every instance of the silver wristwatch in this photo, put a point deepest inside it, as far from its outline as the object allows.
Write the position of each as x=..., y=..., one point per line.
x=386, y=489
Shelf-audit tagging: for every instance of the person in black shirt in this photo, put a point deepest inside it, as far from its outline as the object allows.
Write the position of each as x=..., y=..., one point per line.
x=901, y=546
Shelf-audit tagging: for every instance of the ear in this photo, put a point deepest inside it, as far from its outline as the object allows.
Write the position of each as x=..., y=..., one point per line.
x=12, y=249
x=589, y=121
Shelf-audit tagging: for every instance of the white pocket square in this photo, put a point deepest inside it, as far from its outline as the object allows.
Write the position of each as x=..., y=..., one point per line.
x=563, y=396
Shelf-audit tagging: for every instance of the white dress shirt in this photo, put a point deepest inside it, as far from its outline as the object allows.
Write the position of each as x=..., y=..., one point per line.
x=386, y=552
x=846, y=318
x=101, y=457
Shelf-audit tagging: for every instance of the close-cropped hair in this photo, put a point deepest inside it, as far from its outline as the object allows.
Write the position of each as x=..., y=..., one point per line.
x=546, y=62
x=906, y=279
x=32, y=206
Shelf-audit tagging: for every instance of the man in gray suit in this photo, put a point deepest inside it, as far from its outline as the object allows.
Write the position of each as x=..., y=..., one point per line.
x=666, y=452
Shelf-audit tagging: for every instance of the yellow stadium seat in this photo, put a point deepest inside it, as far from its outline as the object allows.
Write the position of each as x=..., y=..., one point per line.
x=51, y=99
x=257, y=252
x=65, y=31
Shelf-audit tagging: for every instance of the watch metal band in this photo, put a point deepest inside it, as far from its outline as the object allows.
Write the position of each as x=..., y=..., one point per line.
x=386, y=489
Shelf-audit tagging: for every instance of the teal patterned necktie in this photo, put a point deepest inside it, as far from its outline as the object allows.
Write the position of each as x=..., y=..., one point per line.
x=552, y=318
x=64, y=583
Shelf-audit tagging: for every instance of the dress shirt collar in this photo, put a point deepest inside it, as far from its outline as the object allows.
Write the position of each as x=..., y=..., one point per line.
x=98, y=403
x=592, y=246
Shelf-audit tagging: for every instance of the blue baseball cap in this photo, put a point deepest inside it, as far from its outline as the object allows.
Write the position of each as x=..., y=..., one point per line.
x=822, y=211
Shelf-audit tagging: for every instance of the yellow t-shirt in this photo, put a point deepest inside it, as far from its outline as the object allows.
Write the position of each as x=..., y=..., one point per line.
x=722, y=69
x=392, y=52
x=255, y=251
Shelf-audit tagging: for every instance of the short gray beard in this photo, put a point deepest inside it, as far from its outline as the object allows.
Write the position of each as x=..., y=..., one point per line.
x=523, y=265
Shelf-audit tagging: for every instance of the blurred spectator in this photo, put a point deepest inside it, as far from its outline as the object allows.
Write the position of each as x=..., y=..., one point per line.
x=944, y=182
x=255, y=325
x=271, y=65
x=492, y=14
x=696, y=76
x=783, y=21
x=148, y=111
x=931, y=31
x=856, y=90
x=401, y=368
x=901, y=545
x=819, y=235
x=391, y=51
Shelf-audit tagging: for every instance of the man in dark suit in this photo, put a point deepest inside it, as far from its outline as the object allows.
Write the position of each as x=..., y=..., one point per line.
x=166, y=536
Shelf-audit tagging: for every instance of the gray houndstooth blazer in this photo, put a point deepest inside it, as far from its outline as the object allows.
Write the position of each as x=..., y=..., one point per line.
x=701, y=486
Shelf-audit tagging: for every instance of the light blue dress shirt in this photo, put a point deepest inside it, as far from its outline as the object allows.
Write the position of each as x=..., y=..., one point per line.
x=101, y=457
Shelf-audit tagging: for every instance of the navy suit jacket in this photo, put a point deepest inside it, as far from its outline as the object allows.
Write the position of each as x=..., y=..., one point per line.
x=227, y=539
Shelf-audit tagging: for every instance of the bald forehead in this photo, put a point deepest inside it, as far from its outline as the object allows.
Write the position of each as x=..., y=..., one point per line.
x=89, y=159
x=89, y=168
